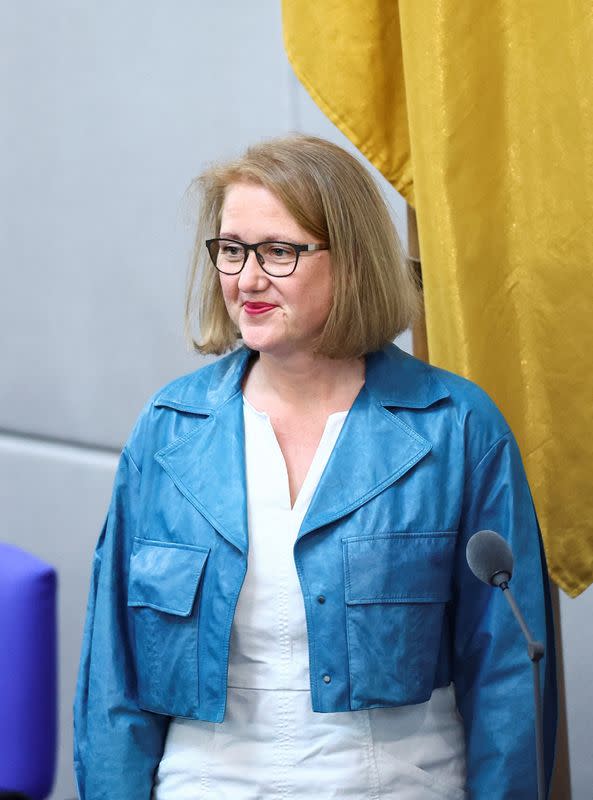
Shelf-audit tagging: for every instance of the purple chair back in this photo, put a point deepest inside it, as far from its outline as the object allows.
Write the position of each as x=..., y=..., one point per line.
x=28, y=674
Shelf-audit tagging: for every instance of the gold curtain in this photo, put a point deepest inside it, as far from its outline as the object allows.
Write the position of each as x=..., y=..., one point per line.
x=481, y=115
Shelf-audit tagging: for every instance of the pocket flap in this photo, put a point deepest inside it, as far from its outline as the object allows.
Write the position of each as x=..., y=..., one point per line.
x=399, y=567
x=165, y=576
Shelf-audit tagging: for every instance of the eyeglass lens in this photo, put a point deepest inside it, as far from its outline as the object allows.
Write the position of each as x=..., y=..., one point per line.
x=229, y=256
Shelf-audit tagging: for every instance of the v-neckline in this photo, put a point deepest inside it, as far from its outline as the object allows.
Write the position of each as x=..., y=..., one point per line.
x=318, y=462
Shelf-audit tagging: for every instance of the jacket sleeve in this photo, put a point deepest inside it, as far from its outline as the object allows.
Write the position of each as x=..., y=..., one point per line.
x=117, y=746
x=492, y=671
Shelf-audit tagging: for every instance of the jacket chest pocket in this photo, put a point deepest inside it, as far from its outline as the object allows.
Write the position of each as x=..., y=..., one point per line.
x=397, y=586
x=163, y=604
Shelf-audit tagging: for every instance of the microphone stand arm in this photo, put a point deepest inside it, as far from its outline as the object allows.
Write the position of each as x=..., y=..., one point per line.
x=535, y=651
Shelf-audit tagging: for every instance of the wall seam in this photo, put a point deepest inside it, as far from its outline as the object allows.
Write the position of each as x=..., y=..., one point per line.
x=17, y=436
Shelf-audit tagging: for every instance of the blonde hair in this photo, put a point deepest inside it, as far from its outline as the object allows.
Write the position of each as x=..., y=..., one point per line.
x=332, y=196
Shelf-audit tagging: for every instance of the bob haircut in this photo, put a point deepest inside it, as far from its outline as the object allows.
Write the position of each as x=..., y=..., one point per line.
x=332, y=196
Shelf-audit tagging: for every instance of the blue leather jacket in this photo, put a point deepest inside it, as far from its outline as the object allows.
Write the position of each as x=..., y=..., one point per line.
x=423, y=461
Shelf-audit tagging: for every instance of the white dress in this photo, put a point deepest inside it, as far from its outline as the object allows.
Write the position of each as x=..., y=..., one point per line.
x=271, y=744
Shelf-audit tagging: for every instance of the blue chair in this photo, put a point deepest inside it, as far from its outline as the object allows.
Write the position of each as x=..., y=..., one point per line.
x=28, y=675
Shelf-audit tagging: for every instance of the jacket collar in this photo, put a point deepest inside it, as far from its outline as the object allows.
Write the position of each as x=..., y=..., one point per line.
x=393, y=377
x=374, y=449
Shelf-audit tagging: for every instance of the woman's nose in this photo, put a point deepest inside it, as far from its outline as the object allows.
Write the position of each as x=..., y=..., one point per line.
x=252, y=276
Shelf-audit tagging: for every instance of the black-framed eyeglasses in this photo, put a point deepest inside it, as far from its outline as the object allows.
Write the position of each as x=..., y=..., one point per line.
x=278, y=259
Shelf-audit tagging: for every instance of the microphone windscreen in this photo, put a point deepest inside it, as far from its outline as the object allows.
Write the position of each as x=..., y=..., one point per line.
x=487, y=554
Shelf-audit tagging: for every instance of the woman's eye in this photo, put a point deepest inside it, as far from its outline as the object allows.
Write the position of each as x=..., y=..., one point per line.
x=231, y=251
x=279, y=251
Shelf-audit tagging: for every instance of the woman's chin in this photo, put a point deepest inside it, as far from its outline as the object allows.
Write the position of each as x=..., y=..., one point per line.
x=256, y=337
x=260, y=343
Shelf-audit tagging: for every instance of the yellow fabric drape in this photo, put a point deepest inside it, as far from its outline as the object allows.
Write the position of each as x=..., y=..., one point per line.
x=481, y=115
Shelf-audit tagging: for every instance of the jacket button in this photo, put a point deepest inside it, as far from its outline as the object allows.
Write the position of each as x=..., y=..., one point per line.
x=327, y=679
x=321, y=599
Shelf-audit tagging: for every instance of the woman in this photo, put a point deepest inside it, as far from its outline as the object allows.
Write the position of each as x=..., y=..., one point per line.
x=285, y=549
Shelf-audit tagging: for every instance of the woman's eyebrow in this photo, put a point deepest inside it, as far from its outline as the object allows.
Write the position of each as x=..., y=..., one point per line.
x=271, y=237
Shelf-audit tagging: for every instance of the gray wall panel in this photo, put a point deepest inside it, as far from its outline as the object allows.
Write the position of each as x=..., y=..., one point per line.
x=112, y=108
x=53, y=501
x=576, y=616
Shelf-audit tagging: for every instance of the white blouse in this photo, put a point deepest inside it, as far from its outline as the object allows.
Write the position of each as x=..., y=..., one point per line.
x=271, y=744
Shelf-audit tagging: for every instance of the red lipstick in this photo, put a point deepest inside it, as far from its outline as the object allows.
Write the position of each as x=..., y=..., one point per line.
x=257, y=308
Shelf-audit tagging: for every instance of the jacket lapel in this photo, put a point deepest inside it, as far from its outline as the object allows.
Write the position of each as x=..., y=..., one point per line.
x=373, y=450
x=375, y=447
x=208, y=465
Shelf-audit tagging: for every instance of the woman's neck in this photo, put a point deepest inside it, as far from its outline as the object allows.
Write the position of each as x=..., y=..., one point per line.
x=303, y=383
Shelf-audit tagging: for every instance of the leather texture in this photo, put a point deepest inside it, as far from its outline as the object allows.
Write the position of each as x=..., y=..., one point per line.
x=423, y=461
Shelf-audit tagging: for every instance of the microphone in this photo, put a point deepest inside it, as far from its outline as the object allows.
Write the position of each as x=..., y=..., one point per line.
x=490, y=559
